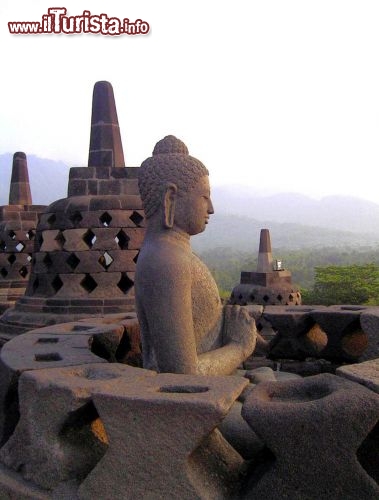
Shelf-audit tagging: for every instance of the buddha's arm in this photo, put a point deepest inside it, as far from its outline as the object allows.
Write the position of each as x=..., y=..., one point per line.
x=164, y=291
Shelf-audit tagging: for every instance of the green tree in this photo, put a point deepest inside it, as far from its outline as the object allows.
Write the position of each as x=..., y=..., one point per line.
x=355, y=284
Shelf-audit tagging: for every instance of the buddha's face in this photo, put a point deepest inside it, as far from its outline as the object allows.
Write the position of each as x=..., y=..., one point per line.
x=193, y=208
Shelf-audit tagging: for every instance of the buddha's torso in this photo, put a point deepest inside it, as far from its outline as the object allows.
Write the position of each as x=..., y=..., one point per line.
x=207, y=313
x=206, y=307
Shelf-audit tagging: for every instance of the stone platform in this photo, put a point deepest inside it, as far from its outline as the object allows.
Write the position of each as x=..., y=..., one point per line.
x=78, y=424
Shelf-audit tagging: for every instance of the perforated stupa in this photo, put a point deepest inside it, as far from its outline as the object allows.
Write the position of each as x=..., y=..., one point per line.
x=87, y=244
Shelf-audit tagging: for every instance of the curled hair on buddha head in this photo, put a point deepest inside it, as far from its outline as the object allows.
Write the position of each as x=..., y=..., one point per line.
x=170, y=163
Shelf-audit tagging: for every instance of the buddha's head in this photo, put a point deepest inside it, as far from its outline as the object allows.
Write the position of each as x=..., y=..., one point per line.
x=174, y=187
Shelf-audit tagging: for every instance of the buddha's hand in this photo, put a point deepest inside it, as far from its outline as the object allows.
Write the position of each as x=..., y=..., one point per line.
x=239, y=328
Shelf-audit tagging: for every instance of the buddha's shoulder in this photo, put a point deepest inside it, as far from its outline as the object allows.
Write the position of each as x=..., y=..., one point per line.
x=164, y=255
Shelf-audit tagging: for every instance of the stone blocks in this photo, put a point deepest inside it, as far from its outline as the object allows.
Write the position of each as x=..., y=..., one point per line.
x=86, y=249
x=59, y=435
x=334, y=332
x=85, y=181
x=161, y=443
x=105, y=142
x=87, y=428
x=366, y=373
x=17, y=242
x=245, y=294
x=114, y=339
x=313, y=427
x=370, y=324
x=19, y=193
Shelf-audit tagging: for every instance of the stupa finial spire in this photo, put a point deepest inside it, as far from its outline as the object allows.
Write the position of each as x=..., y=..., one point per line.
x=105, y=148
x=265, y=264
x=19, y=193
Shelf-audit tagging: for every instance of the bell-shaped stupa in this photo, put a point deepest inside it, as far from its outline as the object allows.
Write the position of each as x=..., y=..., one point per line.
x=87, y=244
x=270, y=284
x=18, y=222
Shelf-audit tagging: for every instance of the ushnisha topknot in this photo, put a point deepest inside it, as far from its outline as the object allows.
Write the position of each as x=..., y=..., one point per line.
x=170, y=162
x=170, y=144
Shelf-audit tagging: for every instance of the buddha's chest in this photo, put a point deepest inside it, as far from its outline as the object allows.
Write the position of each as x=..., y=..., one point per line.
x=206, y=305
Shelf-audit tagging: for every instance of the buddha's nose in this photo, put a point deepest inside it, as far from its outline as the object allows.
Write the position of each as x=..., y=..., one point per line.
x=210, y=207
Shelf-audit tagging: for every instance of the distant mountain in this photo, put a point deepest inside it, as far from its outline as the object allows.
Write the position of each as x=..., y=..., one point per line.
x=342, y=213
x=242, y=233
x=48, y=179
x=294, y=220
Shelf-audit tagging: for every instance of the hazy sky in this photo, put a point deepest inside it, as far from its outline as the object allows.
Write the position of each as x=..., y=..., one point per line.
x=276, y=94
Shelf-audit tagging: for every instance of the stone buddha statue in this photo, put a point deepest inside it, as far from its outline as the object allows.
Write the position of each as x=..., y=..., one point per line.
x=184, y=327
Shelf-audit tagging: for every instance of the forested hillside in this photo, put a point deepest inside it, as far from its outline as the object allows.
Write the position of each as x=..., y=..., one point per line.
x=307, y=235
x=226, y=264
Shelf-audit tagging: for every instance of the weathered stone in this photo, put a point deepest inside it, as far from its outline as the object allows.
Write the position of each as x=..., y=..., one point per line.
x=60, y=435
x=184, y=327
x=238, y=433
x=270, y=284
x=81, y=262
x=262, y=374
x=292, y=325
x=9, y=412
x=18, y=223
x=346, y=340
x=105, y=144
x=77, y=187
x=20, y=193
x=370, y=325
x=182, y=457
x=33, y=352
x=109, y=187
x=115, y=339
x=255, y=311
x=366, y=373
x=14, y=487
x=313, y=427
x=333, y=332
x=103, y=203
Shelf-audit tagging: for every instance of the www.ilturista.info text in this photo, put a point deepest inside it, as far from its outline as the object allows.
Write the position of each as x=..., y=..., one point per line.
x=57, y=22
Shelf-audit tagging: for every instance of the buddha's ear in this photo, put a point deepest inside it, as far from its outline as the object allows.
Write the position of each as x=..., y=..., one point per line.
x=169, y=204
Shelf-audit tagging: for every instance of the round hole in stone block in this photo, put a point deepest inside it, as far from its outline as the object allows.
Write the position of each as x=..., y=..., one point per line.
x=82, y=328
x=299, y=394
x=46, y=357
x=48, y=340
x=183, y=389
x=97, y=374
